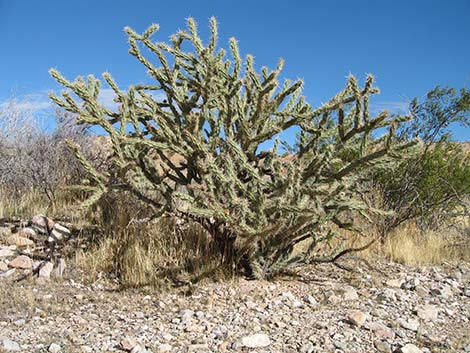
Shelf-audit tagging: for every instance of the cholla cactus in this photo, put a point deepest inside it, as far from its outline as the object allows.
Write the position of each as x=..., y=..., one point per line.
x=191, y=144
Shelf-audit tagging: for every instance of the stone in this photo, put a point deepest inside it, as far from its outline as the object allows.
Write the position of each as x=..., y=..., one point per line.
x=21, y=262
x=20, y=242
x=60, y=268
x=46, y=270
x=394, y=283
x=310, y=300
x=9, y=345
x=357, y=318
x=349, y=293
x=410, y=324
x=428, y=312
x=467, y=292
x=257, y=340
x=27, y=233
x=3, y=266
x=409, y=348
x=7, y=273
x=59, y=233
x=54, y=348
x=128, y=344
x=307, y=348
x=380, y=330
x=164, y=348
x=6, y=252
x=42, y=224
x=382, y=346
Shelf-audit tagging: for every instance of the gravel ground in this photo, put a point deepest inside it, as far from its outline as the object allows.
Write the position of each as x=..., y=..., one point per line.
x=391, y=308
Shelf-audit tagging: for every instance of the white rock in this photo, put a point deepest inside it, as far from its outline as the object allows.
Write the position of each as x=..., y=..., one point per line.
x=7, y=273
x=428, y=312
x=256, y=341
x=349, y=293
x=6, y=252
x=164, y=348
x=9, y=345
x=357, y=318
x=410, y=348
x=54, y=348
x=46, y=270
x=410, y=324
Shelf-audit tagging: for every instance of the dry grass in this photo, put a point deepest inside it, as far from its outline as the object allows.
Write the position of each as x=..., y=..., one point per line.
x=25, y=205
x=150, y=254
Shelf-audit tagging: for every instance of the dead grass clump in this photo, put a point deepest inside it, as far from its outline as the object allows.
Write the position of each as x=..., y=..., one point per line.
x=408, y=245
x=149, y=254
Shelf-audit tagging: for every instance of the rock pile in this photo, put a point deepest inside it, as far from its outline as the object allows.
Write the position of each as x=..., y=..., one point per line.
x=26, y=248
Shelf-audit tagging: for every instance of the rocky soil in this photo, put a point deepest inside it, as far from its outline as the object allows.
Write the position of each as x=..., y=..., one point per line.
x=44, y=307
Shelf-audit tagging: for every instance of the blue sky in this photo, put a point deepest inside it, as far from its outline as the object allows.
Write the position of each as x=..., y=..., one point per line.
x=410, y=46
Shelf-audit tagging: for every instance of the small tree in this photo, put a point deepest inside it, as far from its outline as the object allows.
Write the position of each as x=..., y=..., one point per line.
x=191, y=145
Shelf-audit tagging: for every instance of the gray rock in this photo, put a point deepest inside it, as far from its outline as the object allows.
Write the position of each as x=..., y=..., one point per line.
x=255, y=341
x=340, y=345
x=9, y=345
x=309, y=299
x=382, y=346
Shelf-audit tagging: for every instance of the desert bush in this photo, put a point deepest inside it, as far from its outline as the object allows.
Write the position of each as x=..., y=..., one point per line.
x=33, y=159
x=431, y=185
x=190, y=145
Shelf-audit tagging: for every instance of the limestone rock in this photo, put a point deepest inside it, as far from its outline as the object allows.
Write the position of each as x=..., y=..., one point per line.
x=9, y=345
x=6, y=252
x=46, y=270
x=257, y=340
x=409, y=348
x=410, y=324
x=357, y=318
x=42, y=224
x=59, y=233
x=21, y=262
x=428, y=312
x=54, y=348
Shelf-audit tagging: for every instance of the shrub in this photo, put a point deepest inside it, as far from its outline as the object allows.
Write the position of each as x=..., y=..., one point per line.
x=432, y=185
x=190, y=145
